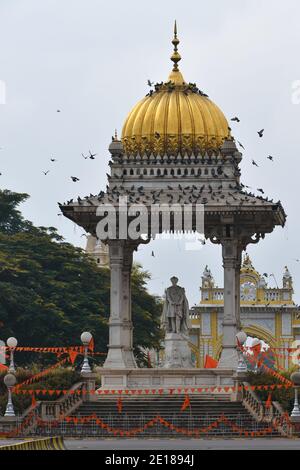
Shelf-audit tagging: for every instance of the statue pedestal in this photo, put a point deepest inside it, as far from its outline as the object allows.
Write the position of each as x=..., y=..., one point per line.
x=177, y=352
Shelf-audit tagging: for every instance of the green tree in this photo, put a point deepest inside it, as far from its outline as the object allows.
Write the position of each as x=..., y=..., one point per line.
x=51, y=291
x=11, y=219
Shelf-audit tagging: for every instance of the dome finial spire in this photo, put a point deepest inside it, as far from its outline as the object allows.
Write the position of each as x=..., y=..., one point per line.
x=175, y=56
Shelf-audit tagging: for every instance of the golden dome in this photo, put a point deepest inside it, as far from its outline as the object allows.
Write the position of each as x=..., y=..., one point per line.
x=175, y=118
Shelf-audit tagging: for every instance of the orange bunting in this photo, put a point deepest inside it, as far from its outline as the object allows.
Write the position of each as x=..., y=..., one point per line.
x=73, y=354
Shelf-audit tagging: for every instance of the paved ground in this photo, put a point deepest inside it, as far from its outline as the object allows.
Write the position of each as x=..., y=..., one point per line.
x=176, y=444
x=180, y=444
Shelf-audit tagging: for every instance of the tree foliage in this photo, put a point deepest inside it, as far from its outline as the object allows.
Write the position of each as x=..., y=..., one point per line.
x=51, y=291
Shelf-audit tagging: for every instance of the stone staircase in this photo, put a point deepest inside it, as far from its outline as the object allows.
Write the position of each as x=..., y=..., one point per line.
x=136, y=411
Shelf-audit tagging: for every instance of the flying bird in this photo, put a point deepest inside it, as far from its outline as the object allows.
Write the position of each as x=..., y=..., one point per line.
x=74, y=179
x=254, y=163
x=152, y=254
x=84, y=156
x=58, y=111
x=270, y=158
x=261, y=133
x=53, y=160
x=149, y=83
x=92, y=155
x=261, y=190
x=241, y=145
x=46, y=172
x=236, y=119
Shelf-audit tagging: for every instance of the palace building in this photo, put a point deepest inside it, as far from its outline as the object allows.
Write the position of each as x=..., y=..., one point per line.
x=267, y=313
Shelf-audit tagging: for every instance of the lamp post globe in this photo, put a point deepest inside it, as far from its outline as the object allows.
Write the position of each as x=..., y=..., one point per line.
x=295, y=378
x=12, y=344
x=9, y=380
x=86, y=338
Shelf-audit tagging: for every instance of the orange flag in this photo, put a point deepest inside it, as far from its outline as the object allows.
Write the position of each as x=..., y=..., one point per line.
x=186, y=403
x=91, y=345
x=210, y=362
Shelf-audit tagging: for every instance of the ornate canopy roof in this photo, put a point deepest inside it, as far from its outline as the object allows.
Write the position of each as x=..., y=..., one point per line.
x=172, y=167
x=174, y=118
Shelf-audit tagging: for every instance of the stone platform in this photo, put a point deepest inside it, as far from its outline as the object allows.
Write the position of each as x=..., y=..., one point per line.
x=177, y=352
x=112, y=379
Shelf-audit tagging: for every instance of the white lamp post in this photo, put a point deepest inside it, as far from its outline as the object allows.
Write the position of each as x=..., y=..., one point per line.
x=86, y=337
x=295, y=378
x=12, y=344
x=241, y=338
x=9, y=380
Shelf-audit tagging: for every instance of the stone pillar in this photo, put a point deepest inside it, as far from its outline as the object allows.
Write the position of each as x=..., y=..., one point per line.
x=238, y=288
x=231, y=263
x=120, y=347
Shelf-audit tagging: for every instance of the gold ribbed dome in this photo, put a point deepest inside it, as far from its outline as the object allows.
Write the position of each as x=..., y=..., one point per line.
x=175, y=118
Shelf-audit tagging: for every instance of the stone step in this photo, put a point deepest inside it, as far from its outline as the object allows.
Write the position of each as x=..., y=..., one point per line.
x=136, y=411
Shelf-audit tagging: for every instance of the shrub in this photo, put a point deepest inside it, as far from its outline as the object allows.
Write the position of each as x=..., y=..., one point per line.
x=284, y=396
x=58, y=379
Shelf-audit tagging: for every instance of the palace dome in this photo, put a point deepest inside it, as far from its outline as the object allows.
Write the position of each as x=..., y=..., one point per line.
x=175, y=117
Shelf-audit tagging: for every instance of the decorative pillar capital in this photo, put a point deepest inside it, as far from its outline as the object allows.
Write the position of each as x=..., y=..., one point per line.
x=232, y=253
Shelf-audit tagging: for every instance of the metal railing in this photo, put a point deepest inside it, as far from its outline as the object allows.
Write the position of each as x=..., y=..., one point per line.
x=188, y=424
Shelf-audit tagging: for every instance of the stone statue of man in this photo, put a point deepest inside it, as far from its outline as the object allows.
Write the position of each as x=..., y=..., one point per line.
x=175, y=316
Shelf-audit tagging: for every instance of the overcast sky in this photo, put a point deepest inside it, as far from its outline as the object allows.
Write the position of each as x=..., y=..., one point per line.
x=91, y=59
